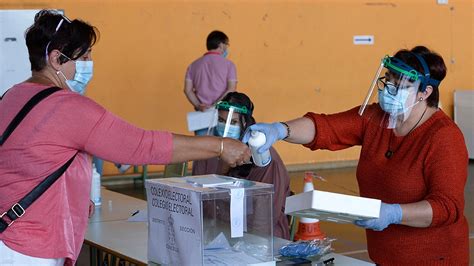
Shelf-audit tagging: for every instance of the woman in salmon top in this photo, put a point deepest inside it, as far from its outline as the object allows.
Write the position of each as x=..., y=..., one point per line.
x=63, y=125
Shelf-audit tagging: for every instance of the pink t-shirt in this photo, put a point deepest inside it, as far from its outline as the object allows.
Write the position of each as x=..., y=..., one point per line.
x=210, y=75
x=62, y=124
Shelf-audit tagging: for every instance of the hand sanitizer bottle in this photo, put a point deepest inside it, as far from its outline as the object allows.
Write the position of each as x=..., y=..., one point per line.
x=257, y=139
x=95, y=187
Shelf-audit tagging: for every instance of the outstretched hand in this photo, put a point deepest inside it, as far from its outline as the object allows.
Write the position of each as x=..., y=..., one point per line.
x=389, y=214
x=234, y=152
x=273, y=132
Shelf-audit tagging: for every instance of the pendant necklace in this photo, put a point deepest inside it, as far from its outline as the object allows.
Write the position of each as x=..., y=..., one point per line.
x=391, y=151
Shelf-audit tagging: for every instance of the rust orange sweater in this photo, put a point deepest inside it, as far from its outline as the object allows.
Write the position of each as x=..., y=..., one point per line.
x=430, y=164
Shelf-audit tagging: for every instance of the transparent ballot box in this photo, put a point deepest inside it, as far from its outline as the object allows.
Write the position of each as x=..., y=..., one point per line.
x=209, y=220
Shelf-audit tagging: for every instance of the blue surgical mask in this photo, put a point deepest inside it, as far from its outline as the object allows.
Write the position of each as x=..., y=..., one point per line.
x=84, y=71
x=234, y=131
x=394, y=104
x=225, y=53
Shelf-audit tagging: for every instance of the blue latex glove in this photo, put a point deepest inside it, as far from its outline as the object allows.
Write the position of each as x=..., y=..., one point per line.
x=273, y=132
x=389, y=214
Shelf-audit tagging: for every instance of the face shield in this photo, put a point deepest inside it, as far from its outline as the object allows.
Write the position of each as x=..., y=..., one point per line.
x=396, y=84
x=228, y=117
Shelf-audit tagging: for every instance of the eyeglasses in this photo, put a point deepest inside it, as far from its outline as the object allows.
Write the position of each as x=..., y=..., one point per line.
x=64, y=18
x=68, y=58
x=383, y=84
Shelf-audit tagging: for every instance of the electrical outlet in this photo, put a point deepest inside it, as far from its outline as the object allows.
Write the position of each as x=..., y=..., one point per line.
x=442, y=2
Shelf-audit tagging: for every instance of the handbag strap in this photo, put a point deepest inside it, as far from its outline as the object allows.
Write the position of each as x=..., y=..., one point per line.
x=18, y=209
x=25, y=110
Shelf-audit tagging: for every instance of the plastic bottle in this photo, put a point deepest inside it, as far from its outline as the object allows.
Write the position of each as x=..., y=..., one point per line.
x=308, y=186
x=95, y=187
x=257, y=139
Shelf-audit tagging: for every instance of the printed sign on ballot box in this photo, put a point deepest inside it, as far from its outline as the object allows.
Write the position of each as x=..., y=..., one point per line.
x=174, y=225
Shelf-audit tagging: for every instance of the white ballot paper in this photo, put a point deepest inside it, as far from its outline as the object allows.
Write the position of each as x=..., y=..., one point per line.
x=199, y=120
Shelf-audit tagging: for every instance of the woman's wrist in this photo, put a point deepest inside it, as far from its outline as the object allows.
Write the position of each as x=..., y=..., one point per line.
x=221, y=147
x=288, y=131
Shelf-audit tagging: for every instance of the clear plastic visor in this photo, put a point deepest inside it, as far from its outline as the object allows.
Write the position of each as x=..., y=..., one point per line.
x=225, y=122
x=395, y=92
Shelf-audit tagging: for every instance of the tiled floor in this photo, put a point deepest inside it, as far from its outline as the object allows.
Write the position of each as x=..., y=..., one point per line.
x=350, y=239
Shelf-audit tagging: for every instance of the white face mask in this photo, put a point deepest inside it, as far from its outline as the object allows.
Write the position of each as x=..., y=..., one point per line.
x=398, y=106
x=393, y=104
x=233, y=132
x=84, y=71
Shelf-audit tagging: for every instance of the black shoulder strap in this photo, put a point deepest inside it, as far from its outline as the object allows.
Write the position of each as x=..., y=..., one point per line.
x=18, y=209
x=25, y=110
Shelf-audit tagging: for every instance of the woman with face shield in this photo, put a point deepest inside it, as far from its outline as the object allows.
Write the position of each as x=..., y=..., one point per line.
x=413, y=158
x=48, y=132
x=234, y=117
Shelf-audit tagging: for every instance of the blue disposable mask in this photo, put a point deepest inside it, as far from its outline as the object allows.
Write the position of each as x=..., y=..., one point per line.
x=394, y=104
x=233, y=132
x=84, y=71
x=225, y=53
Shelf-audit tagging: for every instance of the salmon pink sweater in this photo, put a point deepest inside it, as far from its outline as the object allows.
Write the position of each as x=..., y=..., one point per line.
x=61, y=125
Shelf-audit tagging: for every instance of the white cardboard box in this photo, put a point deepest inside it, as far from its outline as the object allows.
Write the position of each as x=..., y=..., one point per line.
x=332, y=207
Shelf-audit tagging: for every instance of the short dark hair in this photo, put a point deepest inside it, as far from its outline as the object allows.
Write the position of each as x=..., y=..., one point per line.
x=72, y=38
x=435, y=63
x=215, y=38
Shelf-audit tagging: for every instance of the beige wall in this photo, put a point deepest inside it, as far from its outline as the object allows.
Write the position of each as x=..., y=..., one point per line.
x=291, y=56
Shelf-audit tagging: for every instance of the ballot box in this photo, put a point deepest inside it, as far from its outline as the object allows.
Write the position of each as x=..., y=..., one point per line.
x=209, y=220
x=333, y=207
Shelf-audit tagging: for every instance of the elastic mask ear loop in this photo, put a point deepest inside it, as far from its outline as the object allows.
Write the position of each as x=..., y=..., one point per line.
x=411, y=106
x=60, y=72
x=406, y=108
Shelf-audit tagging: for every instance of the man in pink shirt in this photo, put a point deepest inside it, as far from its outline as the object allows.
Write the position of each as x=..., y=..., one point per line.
x=212, y=76
x=67, y=126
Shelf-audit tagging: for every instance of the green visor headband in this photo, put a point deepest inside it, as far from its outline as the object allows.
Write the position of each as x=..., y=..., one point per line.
x=398, y=66
x=223, y=105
